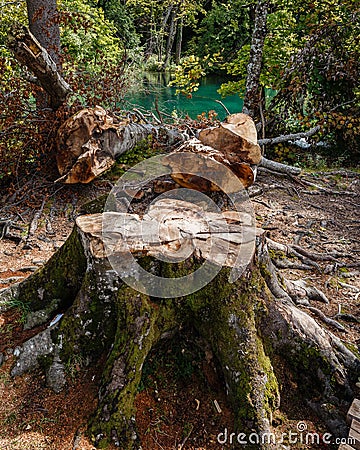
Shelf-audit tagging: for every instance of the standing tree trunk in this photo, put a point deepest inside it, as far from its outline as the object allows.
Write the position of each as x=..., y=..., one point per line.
x=252, y=97
x=170, y=38
x=179, y=39
x=44, y=25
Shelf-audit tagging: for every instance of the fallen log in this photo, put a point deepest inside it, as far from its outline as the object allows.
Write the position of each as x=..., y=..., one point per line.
x=89, y=142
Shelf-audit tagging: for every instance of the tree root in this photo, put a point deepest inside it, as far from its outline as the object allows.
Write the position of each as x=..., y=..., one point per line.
x=326, y=319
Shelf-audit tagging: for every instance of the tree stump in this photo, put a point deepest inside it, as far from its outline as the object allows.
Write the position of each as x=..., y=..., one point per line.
x=104, y=307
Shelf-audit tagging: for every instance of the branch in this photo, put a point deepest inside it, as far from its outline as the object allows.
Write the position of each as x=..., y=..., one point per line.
x=274, y=166
x=29, y=52
x=289, y=137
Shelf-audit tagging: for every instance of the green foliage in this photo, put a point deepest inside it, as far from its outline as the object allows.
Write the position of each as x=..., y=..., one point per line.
x=188, y=74
x=121, y=16
x=93, y=64
x=224, y=28
x=88, y=37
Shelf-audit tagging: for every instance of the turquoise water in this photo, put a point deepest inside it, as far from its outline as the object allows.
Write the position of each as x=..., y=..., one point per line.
x=155, y=89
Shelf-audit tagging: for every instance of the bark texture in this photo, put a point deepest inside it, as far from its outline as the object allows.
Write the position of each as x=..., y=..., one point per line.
x=29, y=52
x=252, y=97
x=44, y=25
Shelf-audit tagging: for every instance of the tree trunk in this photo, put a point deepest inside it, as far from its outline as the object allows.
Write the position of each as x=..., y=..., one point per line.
x=170, y=38
x=252, y=97
x=120, y=307
x=28, y=51
x=43, y=20
x=179, y=39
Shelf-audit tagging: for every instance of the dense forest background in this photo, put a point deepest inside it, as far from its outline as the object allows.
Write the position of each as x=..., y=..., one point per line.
x=309, y=59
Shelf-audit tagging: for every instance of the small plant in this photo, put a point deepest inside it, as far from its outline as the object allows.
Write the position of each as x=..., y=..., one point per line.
x=74, y=365
x=23, y=308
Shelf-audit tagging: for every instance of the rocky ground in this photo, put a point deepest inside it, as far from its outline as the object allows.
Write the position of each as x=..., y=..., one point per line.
x=182, y=403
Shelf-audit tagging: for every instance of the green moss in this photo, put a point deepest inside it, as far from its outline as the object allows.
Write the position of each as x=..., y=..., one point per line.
x=140, y=323
x=353, y=348
x=60, y=278
x=225, y=314
x=94, y=206
x=45, y=361
x=90, y=328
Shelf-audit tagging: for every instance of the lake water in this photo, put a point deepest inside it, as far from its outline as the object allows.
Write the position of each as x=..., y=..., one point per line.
x=156, y=89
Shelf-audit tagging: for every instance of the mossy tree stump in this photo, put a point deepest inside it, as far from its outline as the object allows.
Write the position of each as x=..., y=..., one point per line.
x=243, y=323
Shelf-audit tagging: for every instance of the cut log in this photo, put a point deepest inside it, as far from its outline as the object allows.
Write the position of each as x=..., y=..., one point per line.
x=89, y=142
x=200, y=167
x=236, y=138
x=28, y=51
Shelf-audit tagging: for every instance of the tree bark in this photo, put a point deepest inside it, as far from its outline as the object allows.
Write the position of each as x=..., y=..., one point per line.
x=170, y=38
x=252, y=97
x=252, y=325
x=43, y=20
x=179, y=39
x=29, y=51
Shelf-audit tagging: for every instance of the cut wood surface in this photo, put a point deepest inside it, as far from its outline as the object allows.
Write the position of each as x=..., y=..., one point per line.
x=89, y=142
x=236, y=138
x=174, y=229
x=204, y=168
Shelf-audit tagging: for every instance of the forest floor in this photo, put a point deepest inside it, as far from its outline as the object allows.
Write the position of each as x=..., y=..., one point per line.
x=182, y=403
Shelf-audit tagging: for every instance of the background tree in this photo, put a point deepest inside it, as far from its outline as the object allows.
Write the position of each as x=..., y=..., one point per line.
x=43, y=21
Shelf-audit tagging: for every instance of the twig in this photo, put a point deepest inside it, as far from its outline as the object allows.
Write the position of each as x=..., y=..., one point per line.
x=158, y=110
x=181, y=446
x=222, y=104
x=34, y=223
x=140, y=115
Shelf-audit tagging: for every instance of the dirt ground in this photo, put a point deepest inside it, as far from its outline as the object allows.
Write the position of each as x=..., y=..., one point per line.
x=182, y=402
